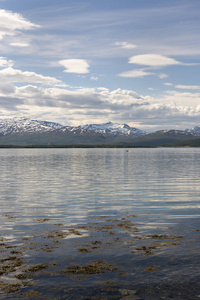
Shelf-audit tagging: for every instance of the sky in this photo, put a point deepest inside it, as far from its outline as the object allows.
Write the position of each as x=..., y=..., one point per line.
x=80, y=62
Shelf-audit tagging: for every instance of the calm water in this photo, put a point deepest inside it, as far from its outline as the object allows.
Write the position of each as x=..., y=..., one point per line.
x=104, y=223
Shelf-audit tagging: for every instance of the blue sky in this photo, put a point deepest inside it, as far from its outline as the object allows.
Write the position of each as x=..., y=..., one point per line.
x=78, y=62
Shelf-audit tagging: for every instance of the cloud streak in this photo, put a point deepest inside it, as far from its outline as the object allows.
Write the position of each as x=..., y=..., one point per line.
x=136, y=73
x=153, y=60
x=19, y=44
x=12, y=75
x=11, y=23
x=188, y=87
x=126, y=45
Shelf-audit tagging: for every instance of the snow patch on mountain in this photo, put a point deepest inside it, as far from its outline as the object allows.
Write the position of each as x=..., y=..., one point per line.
x=114, y=128
x=23, y=125
x=196, y=129
x=172, y=132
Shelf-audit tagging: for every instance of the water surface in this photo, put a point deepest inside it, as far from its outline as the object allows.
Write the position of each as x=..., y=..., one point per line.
x=104, y=223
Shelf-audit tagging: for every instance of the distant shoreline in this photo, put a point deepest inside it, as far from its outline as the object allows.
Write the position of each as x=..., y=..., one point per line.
x=74, y=146
x=88, y=146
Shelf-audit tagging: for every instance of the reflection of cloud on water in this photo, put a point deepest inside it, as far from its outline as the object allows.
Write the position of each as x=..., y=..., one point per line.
x=94, y=192
x=196, y=216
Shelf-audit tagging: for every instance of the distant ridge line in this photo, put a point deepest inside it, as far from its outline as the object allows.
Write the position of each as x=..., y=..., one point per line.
x=27, y=132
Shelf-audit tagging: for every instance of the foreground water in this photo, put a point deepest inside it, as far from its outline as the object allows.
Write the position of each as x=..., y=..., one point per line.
x=99, y=223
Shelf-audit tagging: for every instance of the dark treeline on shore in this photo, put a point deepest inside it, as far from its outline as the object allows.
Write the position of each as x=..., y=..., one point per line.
x=74, y=146
x=184, y=143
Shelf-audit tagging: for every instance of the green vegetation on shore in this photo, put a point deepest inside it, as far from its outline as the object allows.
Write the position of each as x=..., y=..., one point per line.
x=181, y=144
x=187, y=143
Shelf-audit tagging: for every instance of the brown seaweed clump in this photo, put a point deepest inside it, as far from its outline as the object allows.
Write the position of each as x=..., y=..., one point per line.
x=97, y=267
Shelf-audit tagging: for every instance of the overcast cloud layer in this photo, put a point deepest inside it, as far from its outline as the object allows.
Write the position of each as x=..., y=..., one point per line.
x=134, y=62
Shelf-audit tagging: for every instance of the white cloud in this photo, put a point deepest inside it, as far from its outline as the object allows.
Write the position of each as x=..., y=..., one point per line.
x=5, y=63
x=6, y=88
x=12, y=75
x=188, y=87
x=94, y=78
x=21, y=45
x=162, y=76
x=11, y=23
x=136, y=73
x=87, y=105
x=183, y=99
x=153, y=60
x=168, y=84
x=125, y=45
x=122, y=97
x=103, y=89
x=150, y=60
x=79, y=66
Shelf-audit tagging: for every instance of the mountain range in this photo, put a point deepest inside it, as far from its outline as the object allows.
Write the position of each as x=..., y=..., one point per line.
x=23, y=132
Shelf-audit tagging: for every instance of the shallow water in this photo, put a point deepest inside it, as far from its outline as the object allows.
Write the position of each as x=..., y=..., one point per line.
x=99, y=223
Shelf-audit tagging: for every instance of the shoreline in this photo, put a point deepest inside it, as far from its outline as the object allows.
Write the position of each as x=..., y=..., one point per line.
x=87, y=146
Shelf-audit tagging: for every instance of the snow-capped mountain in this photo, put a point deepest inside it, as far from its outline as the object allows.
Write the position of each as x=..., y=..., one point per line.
x=22, y=131
x=196, y=129
x=114, y=129
x=187, y=132
x=173, y=132
x=23, y=125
